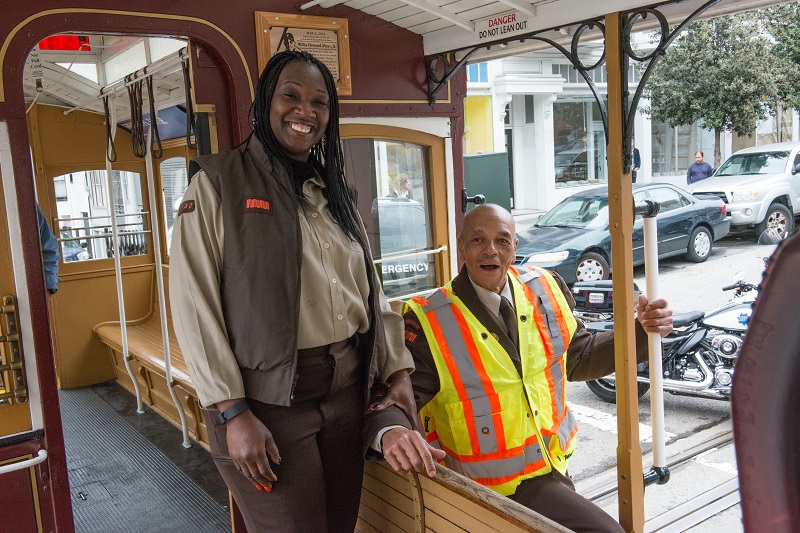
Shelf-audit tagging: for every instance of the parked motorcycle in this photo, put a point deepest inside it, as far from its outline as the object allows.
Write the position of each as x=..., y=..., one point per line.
x=699, y=354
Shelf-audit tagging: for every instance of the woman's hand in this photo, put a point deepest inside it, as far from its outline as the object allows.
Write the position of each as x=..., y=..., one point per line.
x=249, y=444
x=400, y=394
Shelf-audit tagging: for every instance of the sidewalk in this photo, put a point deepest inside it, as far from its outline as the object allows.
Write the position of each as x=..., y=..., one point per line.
x=695, y=478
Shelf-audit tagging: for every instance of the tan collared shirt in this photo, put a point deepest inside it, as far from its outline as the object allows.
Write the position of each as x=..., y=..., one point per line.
x=491, y=299
x=334, y=291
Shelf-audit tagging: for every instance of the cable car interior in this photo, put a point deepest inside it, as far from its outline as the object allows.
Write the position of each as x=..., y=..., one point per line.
x=112, y=125
x=69, y=131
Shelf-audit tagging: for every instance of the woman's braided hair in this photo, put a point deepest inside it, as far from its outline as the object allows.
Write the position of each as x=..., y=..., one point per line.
x=326, y=154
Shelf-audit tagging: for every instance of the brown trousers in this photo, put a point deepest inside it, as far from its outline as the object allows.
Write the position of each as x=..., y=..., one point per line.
x=319, y=440
x=553, y=495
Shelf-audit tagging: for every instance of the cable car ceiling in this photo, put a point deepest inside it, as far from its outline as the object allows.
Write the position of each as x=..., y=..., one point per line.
x=458, y=26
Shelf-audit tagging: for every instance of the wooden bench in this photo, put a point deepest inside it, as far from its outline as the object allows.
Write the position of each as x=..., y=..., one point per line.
x=390, y=502
x=448, y=503
x=146, y=357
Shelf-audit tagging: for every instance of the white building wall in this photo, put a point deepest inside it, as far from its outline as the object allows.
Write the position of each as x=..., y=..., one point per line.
x=512, y=78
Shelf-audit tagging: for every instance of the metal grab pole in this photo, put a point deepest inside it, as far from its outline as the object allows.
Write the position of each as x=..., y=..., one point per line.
x=660, y=473
x=162, y=304
x=123, y=325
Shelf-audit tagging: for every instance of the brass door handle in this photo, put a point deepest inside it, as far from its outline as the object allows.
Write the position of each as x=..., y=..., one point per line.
x=13, y=384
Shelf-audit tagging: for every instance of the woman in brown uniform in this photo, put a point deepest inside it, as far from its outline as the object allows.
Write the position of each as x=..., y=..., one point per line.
x=279, y=314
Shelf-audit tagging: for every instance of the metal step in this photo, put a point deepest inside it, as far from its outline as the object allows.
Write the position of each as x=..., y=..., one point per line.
x=121, y=482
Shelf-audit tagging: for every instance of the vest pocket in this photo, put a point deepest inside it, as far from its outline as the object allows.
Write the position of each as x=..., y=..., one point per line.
x=472, y=425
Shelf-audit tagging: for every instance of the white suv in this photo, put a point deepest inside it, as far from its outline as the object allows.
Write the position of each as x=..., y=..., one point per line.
x=761, y=186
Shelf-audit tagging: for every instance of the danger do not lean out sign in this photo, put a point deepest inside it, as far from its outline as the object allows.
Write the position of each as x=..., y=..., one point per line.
x=501, y=26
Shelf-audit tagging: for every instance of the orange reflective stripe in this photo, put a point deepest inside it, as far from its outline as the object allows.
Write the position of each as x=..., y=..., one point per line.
x=517, y=450
x=562, y=323
x=529, y=468
x=559, y=406
x=452, y=368
x=538, y=317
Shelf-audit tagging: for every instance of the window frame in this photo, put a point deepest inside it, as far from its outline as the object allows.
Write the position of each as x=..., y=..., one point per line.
x=437, y=186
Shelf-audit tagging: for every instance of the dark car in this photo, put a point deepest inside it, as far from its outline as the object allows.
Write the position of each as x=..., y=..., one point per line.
x=72, y=250
x=573, y=238
x=571, y=165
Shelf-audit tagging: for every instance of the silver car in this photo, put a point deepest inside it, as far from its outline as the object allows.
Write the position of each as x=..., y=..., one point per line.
x=761, y=186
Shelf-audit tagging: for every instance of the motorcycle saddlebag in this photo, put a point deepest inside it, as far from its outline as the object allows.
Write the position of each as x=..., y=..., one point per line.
x=596, y=296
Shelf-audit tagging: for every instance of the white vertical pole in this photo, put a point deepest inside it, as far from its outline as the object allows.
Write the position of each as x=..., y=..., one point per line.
x=654, y=344
x=112, y=118
x=162, y=304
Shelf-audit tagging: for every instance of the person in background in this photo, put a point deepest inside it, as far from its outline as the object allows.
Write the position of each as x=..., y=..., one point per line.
x=637, y=161
x=403, y=189
x=50, y=255
x=493, y=351
x=699, y=170
x=280, y=316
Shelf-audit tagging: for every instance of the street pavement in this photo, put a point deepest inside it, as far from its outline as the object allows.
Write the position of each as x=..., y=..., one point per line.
x=691, y=286
x=689, y=480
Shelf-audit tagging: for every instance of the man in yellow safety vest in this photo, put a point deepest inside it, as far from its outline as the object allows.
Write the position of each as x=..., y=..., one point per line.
x=493, y=350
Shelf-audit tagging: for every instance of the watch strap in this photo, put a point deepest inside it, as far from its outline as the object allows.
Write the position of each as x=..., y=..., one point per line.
x=232, y=411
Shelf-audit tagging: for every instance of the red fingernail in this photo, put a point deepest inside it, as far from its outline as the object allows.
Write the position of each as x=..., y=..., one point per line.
x=259, y=487
x=268, y=489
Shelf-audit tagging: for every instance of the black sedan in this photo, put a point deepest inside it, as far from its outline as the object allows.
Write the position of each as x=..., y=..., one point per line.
x=574, y=240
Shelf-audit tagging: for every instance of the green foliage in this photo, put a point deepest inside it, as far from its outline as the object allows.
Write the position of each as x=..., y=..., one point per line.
x=783, y=23
x=718, y=72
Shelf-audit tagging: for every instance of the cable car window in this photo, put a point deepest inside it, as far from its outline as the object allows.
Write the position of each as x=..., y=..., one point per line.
x=393, y=182
x=84, y=220
x=174, y=181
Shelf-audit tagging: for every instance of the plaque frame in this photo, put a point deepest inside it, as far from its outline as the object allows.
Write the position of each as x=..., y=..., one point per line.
x=329, y=35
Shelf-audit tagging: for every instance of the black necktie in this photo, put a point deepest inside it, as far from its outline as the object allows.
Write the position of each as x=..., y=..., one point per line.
x=510, y=319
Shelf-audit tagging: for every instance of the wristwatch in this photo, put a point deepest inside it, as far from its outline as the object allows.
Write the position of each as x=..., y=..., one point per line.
x=232, y=411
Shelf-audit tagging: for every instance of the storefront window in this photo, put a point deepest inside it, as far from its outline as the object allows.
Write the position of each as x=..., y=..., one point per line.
x=84, y=215
x=777, y=128
x=579, y=143
x=673, y=148
x=395, y=213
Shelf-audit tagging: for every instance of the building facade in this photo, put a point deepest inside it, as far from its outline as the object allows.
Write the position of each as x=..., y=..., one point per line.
x=537, y=108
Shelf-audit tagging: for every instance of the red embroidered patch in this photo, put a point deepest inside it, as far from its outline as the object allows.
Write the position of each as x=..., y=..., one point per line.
x=411, y=337
x=257, y=205
x=186, y=207
x=411, y=324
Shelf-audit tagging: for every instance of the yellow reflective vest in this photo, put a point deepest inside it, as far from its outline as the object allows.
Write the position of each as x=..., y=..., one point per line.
x=497, y=427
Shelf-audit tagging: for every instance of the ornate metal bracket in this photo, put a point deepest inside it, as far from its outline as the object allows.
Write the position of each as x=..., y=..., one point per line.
x=583, y=70
x=629, y=106
x=436, y=82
